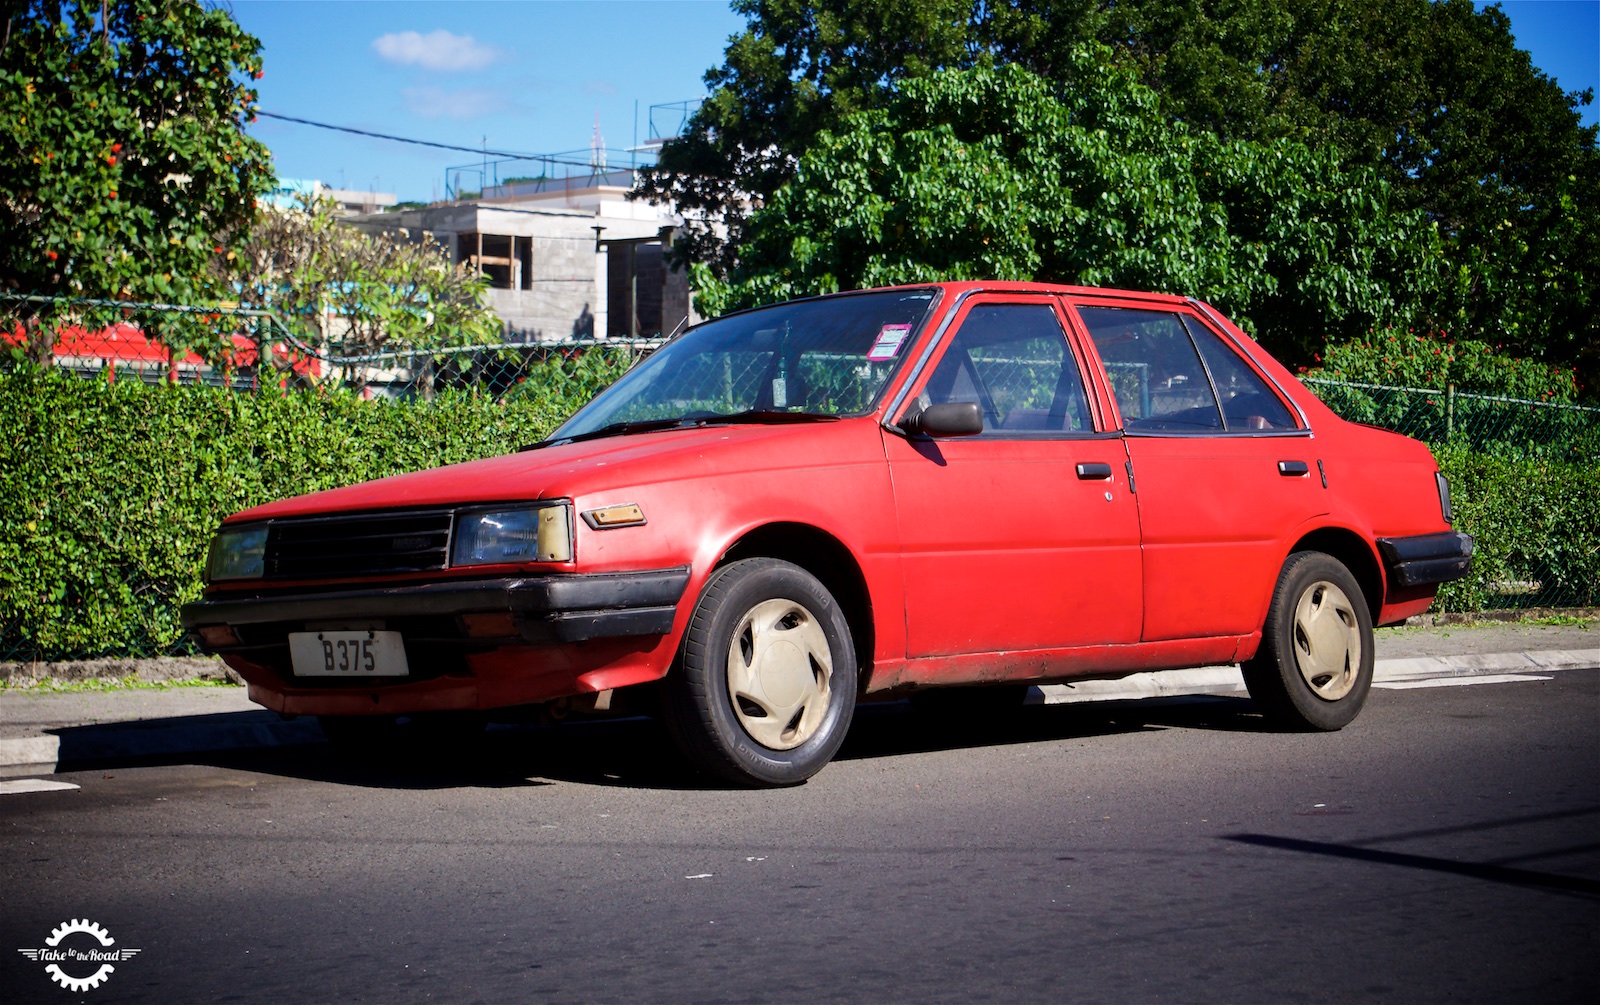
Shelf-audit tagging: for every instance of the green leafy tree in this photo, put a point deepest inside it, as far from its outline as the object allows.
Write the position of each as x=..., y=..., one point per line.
x=354, y=293
x=989, y=173
x=1435, y=96
x=124, y=170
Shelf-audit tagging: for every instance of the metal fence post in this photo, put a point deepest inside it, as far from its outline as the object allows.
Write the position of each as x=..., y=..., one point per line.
x=1449, y=410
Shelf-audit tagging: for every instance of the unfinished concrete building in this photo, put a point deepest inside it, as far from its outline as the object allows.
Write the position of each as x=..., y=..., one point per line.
x=566, y=258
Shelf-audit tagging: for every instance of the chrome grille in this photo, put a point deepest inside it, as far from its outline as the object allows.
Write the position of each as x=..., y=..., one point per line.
x=342, y=546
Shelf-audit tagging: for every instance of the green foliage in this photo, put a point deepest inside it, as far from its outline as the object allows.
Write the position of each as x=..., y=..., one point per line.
x=354, y=293
x=1537, y=528
x=1434, y=360
x=564, y=379
x=124, y=170
x=1434, y=96
x=112, y=491
x=989, y=173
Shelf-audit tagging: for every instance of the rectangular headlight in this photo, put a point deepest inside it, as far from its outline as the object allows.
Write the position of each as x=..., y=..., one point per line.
x=237, y=554
x=510, y=536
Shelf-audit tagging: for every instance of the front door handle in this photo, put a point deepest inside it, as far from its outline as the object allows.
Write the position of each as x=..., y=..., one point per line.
x=1092, y=471
x=1293, y=469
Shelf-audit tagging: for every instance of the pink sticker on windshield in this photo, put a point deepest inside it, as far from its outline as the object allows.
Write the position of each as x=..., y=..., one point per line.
x=890, y=339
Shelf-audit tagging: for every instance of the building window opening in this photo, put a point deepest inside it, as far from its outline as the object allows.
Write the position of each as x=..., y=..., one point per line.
x=502, y=258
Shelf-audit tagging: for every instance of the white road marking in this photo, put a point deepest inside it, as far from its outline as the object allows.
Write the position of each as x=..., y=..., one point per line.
x=11, y=786
x=1493, y=678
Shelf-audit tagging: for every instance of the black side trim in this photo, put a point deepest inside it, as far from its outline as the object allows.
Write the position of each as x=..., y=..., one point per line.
x=1427, y=558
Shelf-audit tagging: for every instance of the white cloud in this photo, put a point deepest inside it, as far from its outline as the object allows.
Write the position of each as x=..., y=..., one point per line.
x=438, y=103
x=437, y=50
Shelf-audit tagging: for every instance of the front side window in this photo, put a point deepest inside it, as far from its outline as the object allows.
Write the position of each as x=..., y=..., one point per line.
x=1156, y=373
x=1014, y=361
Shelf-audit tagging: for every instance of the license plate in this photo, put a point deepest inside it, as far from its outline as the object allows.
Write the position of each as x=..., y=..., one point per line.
x=348, y=654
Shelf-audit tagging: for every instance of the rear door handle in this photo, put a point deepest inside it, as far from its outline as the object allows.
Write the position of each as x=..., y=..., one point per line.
x=1293, y=469
x=1092, y=471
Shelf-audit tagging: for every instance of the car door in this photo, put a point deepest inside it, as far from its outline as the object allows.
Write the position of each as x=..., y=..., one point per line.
x=1023, y=536
x=1222, y=468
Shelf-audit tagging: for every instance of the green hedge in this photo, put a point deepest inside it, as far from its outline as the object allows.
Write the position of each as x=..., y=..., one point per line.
x=1537, y=525
x=110, y=494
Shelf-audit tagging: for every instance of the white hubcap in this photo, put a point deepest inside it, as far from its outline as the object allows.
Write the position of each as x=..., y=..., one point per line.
x=1327, y=641
x=779, y=666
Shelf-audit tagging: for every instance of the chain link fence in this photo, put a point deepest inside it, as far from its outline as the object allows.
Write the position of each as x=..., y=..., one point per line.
x=1553, y=565
x=259, y=351
x=1505, y=427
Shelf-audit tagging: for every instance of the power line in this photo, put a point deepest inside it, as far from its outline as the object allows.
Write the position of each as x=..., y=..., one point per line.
x=426, y=143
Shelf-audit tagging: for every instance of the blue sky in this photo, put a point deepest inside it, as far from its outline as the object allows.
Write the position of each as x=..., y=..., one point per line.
x=531, y=76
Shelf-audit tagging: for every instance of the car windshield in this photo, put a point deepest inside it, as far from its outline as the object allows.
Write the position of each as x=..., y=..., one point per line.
x=823, y=358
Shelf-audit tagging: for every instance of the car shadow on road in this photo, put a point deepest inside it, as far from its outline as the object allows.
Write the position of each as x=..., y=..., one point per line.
x=630, y=752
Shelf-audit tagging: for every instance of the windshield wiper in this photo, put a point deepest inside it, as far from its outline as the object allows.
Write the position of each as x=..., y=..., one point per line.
x=753, y=415
x=615, y=429
x=766, y=415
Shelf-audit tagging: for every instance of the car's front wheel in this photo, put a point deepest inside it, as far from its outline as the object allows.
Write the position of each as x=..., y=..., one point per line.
x=765, y=683
x=1314, y=667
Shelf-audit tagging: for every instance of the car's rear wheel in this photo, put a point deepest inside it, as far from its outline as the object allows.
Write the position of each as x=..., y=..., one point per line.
x=764, y=687
x=1314, y=667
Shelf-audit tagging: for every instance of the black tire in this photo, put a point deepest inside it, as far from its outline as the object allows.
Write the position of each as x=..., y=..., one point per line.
x=1314, y=668
x=778, y=711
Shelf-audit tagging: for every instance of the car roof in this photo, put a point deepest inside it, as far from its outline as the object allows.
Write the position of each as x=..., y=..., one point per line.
x=1011, y=286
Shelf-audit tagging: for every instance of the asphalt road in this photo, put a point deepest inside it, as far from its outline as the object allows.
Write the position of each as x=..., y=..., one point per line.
x=1445, y=847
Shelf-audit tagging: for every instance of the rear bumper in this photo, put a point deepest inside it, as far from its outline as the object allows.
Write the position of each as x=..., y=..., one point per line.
x=1426, y=559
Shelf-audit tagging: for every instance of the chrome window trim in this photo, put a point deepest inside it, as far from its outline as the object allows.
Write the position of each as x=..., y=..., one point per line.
x=1146, y=434
x=1221, y=330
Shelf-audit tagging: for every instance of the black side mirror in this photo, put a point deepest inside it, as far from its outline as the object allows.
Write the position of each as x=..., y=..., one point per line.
x=951, y=418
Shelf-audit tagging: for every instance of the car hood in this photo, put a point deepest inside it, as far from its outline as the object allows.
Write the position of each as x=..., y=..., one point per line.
x=573, y=469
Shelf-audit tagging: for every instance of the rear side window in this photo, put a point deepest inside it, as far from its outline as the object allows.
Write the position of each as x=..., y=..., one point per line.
x=1155, y=370
x=1247, y=402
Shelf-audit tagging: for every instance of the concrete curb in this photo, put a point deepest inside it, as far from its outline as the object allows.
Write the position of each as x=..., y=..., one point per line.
x=1226, y=679
x=98, y=743
x=88, y=744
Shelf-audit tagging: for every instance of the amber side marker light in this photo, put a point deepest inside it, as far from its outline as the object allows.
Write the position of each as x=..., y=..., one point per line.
x=607, y=517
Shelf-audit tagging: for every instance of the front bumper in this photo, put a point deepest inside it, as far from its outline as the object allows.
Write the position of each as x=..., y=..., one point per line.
x=544, y=609
x=482, y=644
x=1426, y=559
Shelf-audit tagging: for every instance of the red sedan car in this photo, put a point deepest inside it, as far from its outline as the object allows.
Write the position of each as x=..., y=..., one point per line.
x=788, y=509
